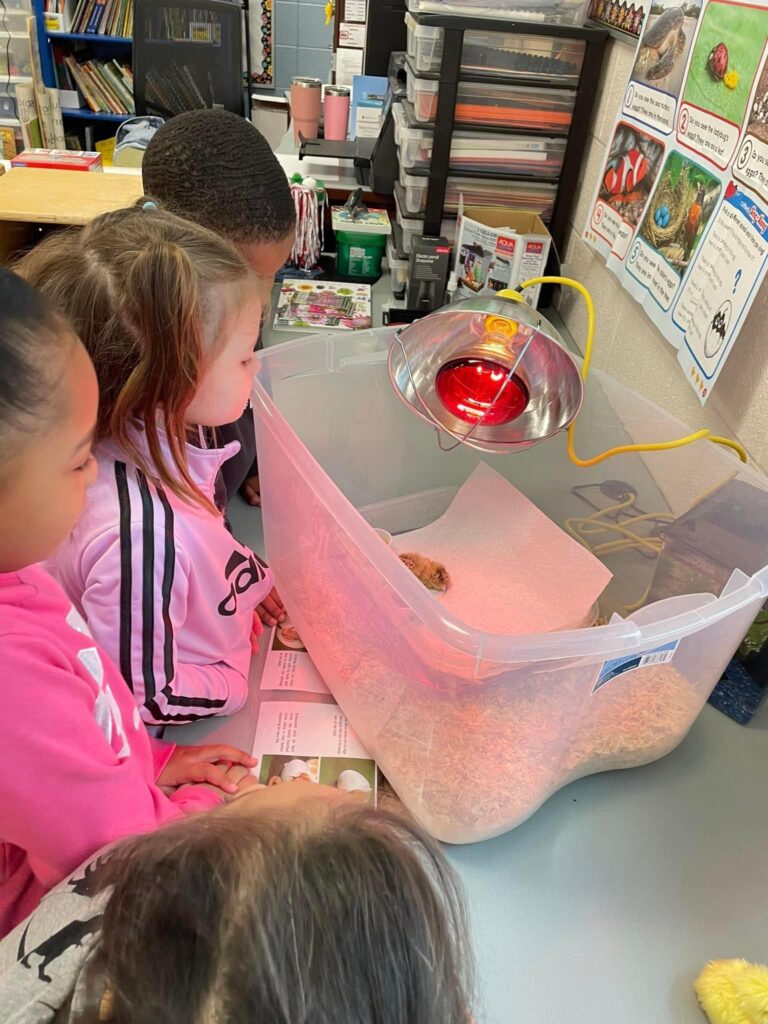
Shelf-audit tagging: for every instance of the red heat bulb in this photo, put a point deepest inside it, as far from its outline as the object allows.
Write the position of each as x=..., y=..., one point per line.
x=467, y=388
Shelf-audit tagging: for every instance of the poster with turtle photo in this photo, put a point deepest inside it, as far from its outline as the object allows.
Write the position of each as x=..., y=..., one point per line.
x=680, y=209
x=657, y=75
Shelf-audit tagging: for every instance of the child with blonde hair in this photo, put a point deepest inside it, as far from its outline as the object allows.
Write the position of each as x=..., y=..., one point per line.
x=77, y=768
x=169, y=315
x=290, y=906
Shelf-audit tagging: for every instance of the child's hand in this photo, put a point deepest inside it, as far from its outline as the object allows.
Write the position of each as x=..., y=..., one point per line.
x=251, y=491
x=271, y=611
x=209, y=763
x=310, y=796
x=256, y=630
x=239, y=781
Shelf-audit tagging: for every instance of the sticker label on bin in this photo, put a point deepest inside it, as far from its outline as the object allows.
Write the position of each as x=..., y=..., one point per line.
x=630, y=662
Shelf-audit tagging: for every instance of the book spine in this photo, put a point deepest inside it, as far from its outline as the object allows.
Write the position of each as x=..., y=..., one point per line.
x=59, y=139
x=28, y=117
x=41, y=94
x=118, y=87
x=96, y=15
x=107, y=86
x=105, y=102
x=82, y=84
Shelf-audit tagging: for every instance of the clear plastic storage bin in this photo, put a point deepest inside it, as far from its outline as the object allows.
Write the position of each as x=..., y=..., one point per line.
x=8, y=106
x=536, y=196
x=502, y=106
x=15, y=57
x=14, y=21
x=475, y=730
x=398, y=270
x=496, y=154
x=550, y=12
x=499, y=53
x=411, y=227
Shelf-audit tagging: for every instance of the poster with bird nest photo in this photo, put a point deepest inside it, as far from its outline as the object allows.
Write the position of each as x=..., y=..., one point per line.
x=679, y=210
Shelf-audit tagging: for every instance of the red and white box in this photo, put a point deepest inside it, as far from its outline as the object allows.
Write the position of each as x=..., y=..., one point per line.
x=59, y=160
x=498, y=248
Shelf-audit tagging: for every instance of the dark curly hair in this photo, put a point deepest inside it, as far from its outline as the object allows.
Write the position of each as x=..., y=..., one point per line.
x=216, y=169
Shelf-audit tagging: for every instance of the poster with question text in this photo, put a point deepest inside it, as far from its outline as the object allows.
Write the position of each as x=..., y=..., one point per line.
x=680, y=205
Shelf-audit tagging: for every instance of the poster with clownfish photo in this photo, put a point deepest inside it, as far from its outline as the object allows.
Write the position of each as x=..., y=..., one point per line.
x=680, y=206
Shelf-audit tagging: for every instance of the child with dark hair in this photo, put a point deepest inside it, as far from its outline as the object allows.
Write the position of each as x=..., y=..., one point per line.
x=216, y=169
x=290, y=906
x=77, y=768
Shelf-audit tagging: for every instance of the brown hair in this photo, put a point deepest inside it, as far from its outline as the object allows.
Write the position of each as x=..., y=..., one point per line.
x=352, y=918
x=143, y=290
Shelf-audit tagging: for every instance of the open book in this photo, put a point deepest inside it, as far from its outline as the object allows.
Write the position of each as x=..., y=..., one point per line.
x=301, y=732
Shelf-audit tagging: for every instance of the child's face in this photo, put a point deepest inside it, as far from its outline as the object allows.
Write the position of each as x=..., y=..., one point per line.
x=43, y=490
x=266, y=258
x=226, y=384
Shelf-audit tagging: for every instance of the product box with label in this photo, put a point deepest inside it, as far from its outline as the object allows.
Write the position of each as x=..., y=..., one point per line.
x=428, y=273
x=59, y=160
x=498, y=248
x=368, y=107
x=361, y=238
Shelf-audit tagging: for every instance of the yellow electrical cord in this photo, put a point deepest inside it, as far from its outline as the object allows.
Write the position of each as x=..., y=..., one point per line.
x=661, y=446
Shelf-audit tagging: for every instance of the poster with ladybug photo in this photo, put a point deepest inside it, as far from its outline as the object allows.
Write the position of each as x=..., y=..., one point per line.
x=680, y=208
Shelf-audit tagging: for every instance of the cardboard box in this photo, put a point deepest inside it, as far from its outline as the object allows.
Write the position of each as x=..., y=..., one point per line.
x=59, y=160
x=498, y=248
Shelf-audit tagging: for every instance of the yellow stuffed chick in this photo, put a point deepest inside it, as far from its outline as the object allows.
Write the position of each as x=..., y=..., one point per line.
x=733, y=992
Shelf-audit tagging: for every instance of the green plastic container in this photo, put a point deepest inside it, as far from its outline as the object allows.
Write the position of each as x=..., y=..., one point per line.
x=359, y=254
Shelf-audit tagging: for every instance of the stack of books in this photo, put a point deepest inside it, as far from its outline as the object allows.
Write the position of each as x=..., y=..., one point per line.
x=103, y=17
x=106, y=86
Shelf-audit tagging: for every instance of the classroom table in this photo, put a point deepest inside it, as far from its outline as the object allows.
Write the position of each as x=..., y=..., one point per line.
x=33, y=197
x=603, y=907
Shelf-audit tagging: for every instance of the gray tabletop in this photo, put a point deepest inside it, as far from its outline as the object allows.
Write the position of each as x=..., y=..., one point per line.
x=603, y=907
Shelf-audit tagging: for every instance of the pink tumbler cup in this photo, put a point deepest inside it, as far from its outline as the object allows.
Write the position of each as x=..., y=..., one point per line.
x=336, y=112
x=305, y=107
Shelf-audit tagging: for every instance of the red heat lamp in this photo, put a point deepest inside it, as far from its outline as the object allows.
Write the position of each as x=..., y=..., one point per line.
x=481, y=390
x=490, y=372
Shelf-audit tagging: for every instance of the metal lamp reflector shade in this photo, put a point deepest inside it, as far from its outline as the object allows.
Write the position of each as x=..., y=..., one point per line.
x=492, y=373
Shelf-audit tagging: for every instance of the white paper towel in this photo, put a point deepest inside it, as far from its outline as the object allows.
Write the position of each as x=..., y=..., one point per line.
x=513, y=571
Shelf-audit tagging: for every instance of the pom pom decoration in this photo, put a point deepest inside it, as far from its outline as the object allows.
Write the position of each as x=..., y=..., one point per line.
x=310, y=233
x=733, y=992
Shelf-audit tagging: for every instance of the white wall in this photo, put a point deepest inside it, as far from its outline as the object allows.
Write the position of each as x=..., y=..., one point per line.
x=628, y=346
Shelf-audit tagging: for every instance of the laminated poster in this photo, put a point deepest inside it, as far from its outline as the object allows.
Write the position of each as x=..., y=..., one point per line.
x=680, y=211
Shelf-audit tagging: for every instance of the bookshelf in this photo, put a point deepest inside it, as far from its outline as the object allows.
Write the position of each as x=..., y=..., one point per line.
x=189, y=54
x=56, y=44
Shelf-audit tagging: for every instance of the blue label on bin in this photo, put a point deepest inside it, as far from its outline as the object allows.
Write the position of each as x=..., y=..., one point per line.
x=629, y=662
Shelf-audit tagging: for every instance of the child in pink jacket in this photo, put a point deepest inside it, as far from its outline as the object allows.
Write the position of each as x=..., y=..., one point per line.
x=169, y=313
x=77, y=768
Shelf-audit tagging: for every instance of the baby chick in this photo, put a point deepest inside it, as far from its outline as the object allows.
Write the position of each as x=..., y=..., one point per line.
x=432, y=574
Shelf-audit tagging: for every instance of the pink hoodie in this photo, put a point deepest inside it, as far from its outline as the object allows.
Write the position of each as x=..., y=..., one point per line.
x=77, y=768
x=164, y=586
